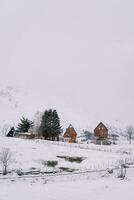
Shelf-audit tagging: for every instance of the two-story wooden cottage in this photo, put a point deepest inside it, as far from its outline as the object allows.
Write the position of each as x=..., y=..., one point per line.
x=101, y=131
x=70, y=135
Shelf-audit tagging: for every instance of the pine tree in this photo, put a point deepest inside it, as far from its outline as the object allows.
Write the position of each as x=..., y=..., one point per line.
x=50, y=125
x=24, y=125
x=56, y=125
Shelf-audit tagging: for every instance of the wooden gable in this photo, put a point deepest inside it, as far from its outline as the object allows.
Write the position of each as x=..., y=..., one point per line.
x=101, y=131
x=70, y=134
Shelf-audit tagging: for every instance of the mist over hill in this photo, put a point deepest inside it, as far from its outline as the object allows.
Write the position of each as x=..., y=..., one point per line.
x=74, y=56
x=15, y=104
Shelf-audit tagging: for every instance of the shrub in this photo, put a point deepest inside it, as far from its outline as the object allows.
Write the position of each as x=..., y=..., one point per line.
x=72, y=159
x=75, y=159
x=66, y=169
x=52, y=163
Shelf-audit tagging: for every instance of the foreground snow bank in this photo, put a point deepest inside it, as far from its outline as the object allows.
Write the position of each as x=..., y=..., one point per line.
x=98, y=189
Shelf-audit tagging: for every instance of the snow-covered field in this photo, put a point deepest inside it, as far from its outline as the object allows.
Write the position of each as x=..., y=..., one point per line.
x=98, y=189
x=29, y=154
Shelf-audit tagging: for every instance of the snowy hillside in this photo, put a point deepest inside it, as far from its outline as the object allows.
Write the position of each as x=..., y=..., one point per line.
x=82, y=181
x=8, y=105
x=8, y=98
x=28, y=154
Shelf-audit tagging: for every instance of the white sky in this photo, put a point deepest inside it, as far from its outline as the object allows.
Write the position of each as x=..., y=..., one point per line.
x=74, y=55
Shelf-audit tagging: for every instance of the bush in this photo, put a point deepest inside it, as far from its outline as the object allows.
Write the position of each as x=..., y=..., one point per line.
x=66, y=169
x=75, y=159
x=52, y=163
x=72, y=159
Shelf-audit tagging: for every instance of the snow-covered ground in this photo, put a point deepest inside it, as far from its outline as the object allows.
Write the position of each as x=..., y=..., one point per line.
x=29, y=154
x=102, y=188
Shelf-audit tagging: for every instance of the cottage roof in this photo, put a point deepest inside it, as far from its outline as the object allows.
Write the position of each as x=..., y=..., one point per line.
x=100, y=124
x=70, y=131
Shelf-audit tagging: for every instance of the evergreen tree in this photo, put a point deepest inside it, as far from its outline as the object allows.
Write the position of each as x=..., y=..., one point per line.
x=56, y=125
x=24, y=125
x=50, y=125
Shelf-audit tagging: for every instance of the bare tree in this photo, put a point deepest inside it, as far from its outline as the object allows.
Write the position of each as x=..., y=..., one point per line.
x=123, y=169
x=37, y=121
x=130, y=132
x=5, y=159
x=114, y=138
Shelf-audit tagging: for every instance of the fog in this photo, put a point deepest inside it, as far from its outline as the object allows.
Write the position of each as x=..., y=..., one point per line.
x=76, y=56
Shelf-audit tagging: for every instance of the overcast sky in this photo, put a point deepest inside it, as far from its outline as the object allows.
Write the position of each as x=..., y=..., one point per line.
x=73, y=55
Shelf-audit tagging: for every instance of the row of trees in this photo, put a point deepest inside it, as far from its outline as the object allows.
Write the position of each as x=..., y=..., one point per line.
x=48, y=127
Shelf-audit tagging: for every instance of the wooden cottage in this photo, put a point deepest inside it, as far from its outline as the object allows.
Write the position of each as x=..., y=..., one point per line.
x=101, y=131
x=70, y=135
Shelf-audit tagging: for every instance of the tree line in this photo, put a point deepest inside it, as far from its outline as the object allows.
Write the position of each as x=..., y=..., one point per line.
x=49, y=127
